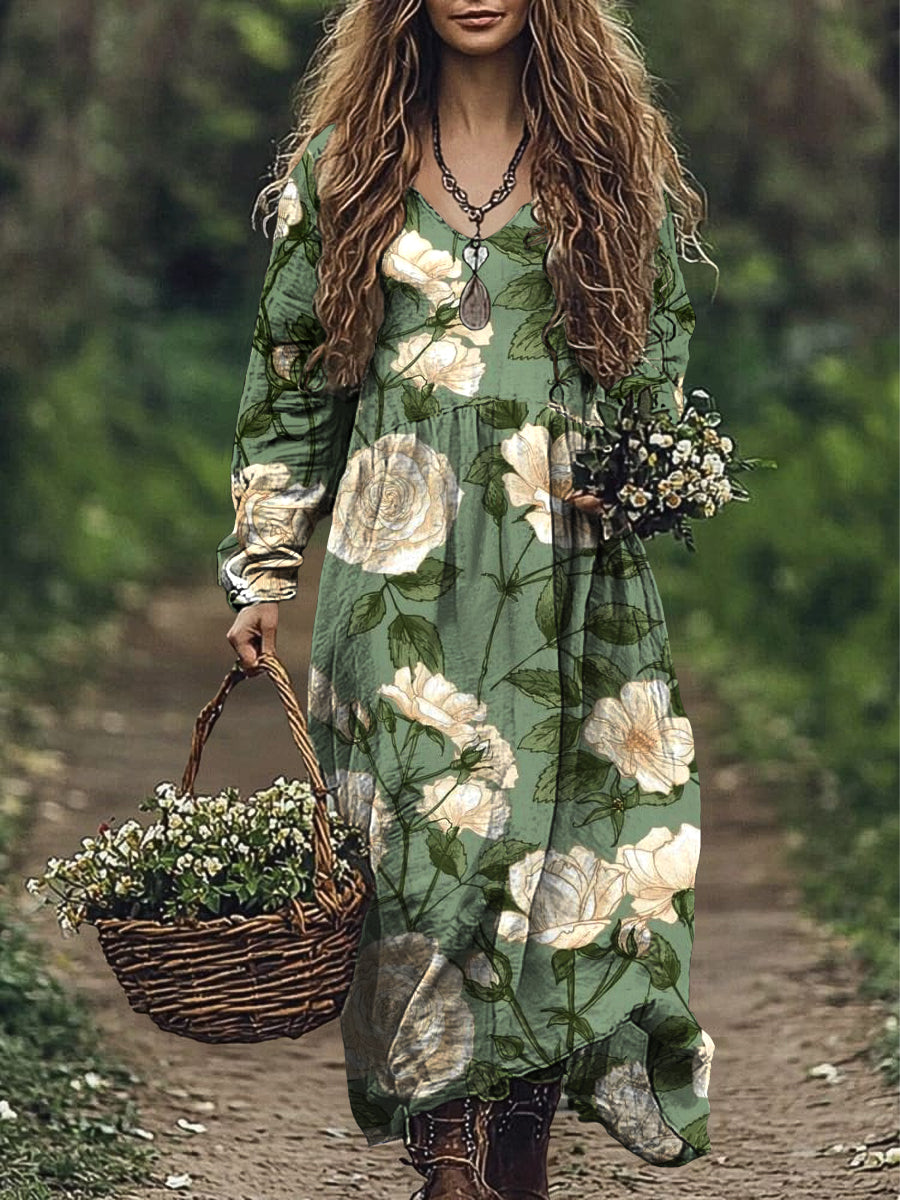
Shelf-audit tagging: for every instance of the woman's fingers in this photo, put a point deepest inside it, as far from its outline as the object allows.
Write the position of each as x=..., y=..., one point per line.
x=585, y=501
x=268, y=626
x=253, y=632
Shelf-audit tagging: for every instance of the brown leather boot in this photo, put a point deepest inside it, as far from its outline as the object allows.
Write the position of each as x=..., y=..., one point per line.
x=518, y=1131
x=448, y=1145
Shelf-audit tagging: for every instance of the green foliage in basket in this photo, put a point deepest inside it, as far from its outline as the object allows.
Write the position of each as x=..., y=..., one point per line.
x=205, y=857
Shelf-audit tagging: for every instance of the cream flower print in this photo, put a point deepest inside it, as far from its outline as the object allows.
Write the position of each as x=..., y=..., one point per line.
x=642, y=936
x=411, y=258
x=701, y=1066
x=406, y=1018
x=274, y=520
x=524, y=877
x=395, y=504
x=641, y=736
x=626, y=1105
x=284, y=355
x=359, y=802
x=497, y=765
x=325, y=706
x=446, y=363
x=430, y=699
x=662, y=863
x=290, y=209
x=467, y=805
x=478, y=967
x=575, y=898
x=542, y=478
x=679, y=395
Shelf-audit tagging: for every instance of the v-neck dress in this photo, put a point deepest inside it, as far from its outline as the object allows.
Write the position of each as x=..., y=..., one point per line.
x=491, y=693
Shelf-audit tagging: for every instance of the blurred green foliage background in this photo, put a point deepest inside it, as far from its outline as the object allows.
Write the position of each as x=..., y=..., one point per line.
x=135, y=139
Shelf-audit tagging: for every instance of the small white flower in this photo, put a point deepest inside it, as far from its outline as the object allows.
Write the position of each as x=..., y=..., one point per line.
x=7, y=1113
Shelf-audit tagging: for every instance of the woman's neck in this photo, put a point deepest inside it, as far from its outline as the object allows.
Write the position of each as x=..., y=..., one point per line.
x=480, y=96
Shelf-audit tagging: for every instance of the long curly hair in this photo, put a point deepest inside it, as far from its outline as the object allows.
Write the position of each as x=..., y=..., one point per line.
x=604, y=159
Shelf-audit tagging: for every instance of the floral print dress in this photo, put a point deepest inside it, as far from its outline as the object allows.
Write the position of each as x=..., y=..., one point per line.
x=491, y=693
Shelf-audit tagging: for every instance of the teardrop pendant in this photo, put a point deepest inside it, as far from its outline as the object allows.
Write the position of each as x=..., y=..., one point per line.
x=474, y=304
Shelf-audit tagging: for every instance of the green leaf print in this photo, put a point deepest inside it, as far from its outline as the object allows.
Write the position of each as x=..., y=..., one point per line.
x=527, y=292
x=672, y=1070
x=686, y=317
x=447, y=852
x=600, y=676
x=545, y=788
x=620, y=563
x=683, y=903
x=555, y=597
x=546, y=687
x=527, y=341
x=582, y=776
x=563, y=964
x=494, y=498
x=485, y=464
x=385, y=715
x=489, y=993
x=662, y=963
x=696, y=1134
x=367, y=612
x=435, y=735
x=413, y=639
x=501, y=413
x=511, y=242
x=256, y=419
x=620, y=624
x=496, y=860
x=547, y=736
x=432, y=579
x=498, y=897
x=676, y=1031
x=419, y=403
x=554, y=422
x=485, y=1079
x=508, y=1047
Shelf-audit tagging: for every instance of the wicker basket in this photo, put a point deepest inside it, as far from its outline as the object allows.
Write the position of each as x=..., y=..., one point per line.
x=247, y=979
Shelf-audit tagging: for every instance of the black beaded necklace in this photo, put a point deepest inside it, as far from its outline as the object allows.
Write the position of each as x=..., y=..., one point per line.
x=475, y=303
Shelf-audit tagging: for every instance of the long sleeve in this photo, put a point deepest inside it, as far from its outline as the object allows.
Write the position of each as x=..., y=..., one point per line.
x=290, y=444
x=671, y=323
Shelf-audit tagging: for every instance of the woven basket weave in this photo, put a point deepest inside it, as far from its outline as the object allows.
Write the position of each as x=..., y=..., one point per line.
x=247, y=979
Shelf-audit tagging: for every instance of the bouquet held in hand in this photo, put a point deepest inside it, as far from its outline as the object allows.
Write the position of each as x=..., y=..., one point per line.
x=655, y=473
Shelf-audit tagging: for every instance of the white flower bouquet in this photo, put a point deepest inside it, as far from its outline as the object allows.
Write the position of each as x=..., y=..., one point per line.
x=655, y=473
x=226, y=920
x=207, y=856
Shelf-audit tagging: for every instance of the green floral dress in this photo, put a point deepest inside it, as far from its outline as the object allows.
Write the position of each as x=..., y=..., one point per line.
x=491, y=693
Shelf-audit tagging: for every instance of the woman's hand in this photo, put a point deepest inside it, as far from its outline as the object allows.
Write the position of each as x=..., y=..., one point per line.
x=253, y=631
x=585, y=501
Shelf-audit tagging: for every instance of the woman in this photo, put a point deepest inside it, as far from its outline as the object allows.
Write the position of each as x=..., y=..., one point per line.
x=491, y=691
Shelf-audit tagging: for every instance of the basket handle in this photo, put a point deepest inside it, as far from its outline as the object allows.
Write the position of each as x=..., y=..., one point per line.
x=323, y=880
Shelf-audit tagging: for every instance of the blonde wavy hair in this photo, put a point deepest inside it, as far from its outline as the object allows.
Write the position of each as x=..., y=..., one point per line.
x=604, y=159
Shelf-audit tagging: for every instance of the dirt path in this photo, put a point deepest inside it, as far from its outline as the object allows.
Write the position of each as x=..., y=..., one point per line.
x=277, y=1118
